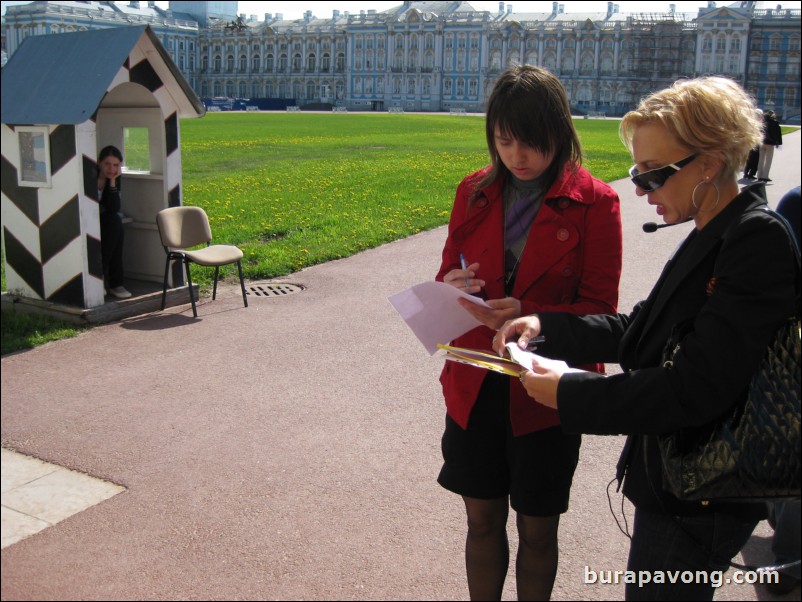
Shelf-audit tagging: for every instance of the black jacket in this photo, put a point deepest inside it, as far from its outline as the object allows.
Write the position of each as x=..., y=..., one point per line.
x=110, y=198
x=772, y=133
x=736, y=292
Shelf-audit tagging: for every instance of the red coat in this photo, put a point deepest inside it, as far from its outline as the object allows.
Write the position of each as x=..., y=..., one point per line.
x=571, y=263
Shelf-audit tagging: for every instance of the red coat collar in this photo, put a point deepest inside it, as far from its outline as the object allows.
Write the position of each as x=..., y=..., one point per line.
x=569, y=184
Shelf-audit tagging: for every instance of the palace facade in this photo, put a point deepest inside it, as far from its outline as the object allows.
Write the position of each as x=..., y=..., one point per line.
x=442, y=56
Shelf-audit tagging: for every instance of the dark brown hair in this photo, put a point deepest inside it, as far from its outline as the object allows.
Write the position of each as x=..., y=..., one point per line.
x=109, y=151
x=529, y=104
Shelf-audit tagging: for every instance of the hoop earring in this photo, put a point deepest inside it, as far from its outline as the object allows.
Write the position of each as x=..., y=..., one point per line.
x=693, y=197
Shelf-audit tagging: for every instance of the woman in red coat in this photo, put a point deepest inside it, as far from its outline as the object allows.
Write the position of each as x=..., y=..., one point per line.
x=536, y=233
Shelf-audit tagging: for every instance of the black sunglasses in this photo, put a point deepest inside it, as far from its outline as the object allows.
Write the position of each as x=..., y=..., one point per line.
x=651, y=180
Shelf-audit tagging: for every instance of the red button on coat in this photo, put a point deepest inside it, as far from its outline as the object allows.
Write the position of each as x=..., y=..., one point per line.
x=563, y=234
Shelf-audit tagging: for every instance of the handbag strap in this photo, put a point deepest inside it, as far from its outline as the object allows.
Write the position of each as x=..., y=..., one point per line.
x=794, y=245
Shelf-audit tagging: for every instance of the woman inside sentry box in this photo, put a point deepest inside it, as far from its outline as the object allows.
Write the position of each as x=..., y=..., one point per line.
x=731, y=283
x=109, y=166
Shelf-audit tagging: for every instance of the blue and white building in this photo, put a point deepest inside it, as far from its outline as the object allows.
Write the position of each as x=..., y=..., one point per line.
x=438, y=56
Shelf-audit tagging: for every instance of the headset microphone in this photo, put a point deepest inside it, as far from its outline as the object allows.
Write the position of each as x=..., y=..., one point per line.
x=653, y=227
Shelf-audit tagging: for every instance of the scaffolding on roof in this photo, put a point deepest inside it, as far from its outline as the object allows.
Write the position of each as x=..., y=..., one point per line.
x=658, y=17
x=656, y=46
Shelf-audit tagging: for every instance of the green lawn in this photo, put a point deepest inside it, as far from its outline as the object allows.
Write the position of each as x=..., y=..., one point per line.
x=294, y=190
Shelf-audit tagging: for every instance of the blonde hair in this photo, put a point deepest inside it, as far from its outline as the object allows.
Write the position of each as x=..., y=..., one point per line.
x=709, y=115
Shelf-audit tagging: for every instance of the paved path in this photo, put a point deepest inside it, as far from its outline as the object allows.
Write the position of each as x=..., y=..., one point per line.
x=288, y=450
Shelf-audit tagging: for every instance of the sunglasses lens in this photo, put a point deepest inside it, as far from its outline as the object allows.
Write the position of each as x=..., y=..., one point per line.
x=649, y=182
x=640, y=183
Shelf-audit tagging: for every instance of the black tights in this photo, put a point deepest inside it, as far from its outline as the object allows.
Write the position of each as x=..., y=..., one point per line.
x=487, y=552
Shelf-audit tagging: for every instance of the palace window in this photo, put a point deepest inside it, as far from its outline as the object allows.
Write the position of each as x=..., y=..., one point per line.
x=775, y=43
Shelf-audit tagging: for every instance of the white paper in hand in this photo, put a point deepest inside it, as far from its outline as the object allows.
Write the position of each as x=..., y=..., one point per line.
x=527, y=359
x=431, y=310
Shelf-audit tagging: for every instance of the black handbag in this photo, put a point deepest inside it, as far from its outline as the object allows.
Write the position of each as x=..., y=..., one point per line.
x=752, y=453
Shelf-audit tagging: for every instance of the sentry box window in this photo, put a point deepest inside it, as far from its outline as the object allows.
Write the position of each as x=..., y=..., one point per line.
x=34, y=154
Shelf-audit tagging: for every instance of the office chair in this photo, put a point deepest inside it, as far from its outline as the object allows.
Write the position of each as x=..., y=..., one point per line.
x=182, y=228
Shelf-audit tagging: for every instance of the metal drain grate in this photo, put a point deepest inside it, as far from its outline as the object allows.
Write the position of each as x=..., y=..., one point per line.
x=272, y=289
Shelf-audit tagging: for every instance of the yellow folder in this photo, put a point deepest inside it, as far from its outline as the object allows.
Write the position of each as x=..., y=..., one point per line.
x=483, y=359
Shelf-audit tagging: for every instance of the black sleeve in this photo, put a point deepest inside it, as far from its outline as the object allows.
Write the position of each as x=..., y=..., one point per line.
x=583, y=339
x=755, y=278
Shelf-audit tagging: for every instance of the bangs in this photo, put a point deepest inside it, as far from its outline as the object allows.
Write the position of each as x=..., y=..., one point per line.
x=529, y=104
x=518, y=117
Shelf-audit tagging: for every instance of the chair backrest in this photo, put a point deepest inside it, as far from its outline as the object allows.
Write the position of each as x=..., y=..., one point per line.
x=183, y=227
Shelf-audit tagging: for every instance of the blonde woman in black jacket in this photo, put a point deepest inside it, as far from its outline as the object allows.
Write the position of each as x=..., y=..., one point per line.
x=731, y=282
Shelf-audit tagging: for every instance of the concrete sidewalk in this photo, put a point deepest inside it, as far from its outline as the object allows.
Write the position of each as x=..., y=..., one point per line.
x=287, y=450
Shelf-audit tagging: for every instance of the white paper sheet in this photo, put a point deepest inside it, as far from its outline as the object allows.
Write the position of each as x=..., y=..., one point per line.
x=527, y=359
x=431, y=310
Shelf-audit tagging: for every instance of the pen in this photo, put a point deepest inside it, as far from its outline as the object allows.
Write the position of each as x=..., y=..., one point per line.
x=464, y=267
x=534, y=342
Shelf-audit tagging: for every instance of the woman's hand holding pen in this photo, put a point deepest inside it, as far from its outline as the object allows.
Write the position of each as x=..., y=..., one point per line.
x=500, y=310
x=465, y=279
